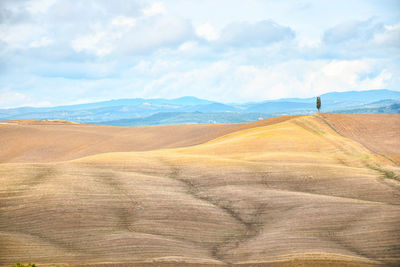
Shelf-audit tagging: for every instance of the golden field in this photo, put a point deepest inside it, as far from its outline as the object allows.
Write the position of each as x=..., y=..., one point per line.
x=319, y=190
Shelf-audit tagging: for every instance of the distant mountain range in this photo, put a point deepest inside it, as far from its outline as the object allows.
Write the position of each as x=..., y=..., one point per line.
x=184, y=110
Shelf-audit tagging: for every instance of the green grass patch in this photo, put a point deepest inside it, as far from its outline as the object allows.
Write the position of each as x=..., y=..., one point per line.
x=22, y=265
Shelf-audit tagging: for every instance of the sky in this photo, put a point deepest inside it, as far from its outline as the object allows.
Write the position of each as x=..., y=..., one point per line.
x=57, y=52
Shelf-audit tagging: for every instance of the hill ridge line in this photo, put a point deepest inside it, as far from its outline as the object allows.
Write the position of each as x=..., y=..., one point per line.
x=373, y=151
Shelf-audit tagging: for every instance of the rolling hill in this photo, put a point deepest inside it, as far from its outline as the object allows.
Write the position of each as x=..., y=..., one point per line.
x=49, y=141
x=315, y=190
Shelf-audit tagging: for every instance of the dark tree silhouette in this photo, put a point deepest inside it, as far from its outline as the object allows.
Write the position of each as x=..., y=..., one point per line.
x=318, y=103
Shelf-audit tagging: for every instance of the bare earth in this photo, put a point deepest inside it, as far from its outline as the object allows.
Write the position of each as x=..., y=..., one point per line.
x=51, y=141
x=380, y=134
x=292, y=191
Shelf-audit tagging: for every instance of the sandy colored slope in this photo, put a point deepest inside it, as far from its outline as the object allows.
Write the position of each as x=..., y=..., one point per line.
x=38, y=122
x=378, y=132
x=49, y=141
x=285, y=194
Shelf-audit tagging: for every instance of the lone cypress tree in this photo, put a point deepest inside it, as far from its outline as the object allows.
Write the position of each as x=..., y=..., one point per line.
x=318, y=103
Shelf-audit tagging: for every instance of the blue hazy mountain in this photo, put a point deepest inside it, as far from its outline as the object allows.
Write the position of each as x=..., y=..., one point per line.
x=213, y=107
x=357, y=96
x=182, y=101
x=169, y=118
x=279, y=106
x=139, y=111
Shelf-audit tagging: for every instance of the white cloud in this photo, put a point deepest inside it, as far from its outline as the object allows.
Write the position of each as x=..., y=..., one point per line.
x=345, y=70
x=155, y=9
x=156, y=67
x=380, y=81
x=360, y=39
x=207, y=32
x=222, y=80
x=390, y=37
x=105, y=39
x=260, y=33
x=119, y=48
x=344, y=75
x=227, y=82
x=9, y=98
x=21, y=35
x=96, y=43
x=353, y=31
x=128, y=35
x=158, y=32
x=39, y=6
x=305, y=43
x=187, y=46
x=122, y=21
x=42, y=42
x=368, y=37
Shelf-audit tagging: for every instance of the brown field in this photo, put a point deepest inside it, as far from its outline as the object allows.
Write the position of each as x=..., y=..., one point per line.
x=295, y=191
x=51, y=141
x=380, y=134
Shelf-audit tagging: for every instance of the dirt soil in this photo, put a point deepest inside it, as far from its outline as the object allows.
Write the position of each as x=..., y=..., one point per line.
x=52, y=141
x=283, y=192
x=378, y=132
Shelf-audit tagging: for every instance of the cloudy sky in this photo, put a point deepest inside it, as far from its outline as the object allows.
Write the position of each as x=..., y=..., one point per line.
x=56, y=52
